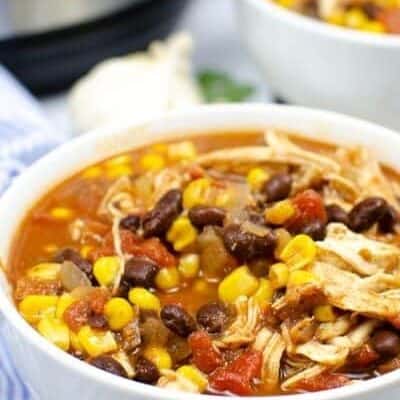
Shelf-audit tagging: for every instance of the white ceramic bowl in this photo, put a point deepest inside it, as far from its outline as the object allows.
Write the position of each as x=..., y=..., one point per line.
x=56, y=375
x=312, y=63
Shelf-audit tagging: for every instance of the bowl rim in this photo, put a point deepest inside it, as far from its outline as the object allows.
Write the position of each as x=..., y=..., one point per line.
x=322, y=28
x=120, y=385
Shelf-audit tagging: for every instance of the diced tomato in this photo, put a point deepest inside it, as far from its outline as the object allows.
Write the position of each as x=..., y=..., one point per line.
x=237, y=376
x=77, y=314
x=156, y=251
x=309, y=207
x=136, y=246
x=364, y=357
x=205, y=356
x=324, y=381
x=390, y=18
x=97, y=300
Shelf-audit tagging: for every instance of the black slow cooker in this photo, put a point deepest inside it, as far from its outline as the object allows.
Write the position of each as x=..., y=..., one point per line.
x=48, y=52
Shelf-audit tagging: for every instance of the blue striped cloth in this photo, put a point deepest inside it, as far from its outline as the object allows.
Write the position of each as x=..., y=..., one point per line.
x=25, y=135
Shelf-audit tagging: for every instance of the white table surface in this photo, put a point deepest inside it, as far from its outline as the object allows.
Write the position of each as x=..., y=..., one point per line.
x=217, y=45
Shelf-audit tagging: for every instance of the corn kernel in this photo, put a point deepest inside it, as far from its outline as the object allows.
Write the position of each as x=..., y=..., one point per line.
x=336, y=18
x=158, y=356
x=168, y=278
x=96, y=343
x=144, y=299
x=45, y=271
x=35, y=307
x=283, y=237
x=279, y=275
x=189, y=266
x=324, y=313
x=256, y=177
x=105, y=270
x=299, y=252
x=74, y=340
x=280, y=212
x=63, y=303
x=55, y=331
x=152, y=162
x=119, y=160
x=118, y=313
x=183, y=151
x=61, y=213
x=240, y=282
x=355, y=18
x=92, y=172
x=374, y=27
x=86, y=250
x=298, y=278
x=194, y=375
x=264, y=293
x=181, y=233
x=119, y=170
x=196, y=193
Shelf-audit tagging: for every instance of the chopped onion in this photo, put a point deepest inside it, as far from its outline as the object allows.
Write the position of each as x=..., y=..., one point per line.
x=72, y=277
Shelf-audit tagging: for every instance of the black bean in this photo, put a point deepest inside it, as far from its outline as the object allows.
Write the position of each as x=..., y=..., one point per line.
x=246, y=245
x=388, y=220
x=366, y=213
x=72, y=255
x=278, y=187
x=178, y=320
x=146, y=371
x=140, y=272
x=212, y=317
x=107, y=363
x=97, y=321
x=131, y=223
x=315, y=229
x=201, y=216
x=337, y=214
x=157, y=221
x=386, y=343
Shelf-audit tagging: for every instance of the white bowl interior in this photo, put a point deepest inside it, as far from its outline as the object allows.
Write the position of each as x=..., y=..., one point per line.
x=89, y=149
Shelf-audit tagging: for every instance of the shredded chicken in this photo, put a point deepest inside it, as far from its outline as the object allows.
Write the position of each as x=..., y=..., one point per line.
x=244, y=328
x=346, y=290
x=118, y=200
x=357, y=253
x=360, y=166
x=308, y=373
x=281, y=145
x=272, y=346
x=118, y=251
x=330, y=330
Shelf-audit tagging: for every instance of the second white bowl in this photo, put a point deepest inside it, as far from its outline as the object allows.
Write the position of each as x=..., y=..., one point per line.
x=312, y=63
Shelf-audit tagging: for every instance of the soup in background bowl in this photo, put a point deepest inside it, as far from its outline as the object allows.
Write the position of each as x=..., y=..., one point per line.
x=245, y=261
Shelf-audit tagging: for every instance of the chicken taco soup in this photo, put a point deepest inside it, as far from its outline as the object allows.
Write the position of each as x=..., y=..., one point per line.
x=373, y=16
x=248, y=264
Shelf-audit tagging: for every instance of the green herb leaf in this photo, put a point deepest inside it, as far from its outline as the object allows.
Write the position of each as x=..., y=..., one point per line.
x=218, y=87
